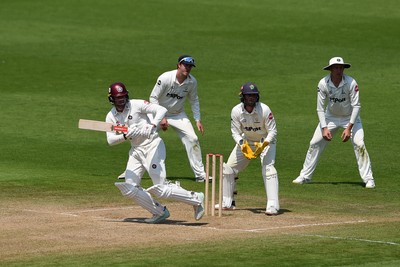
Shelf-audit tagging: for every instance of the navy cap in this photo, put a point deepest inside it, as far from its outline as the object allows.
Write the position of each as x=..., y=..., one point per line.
x=249, y=88
x=185, y=59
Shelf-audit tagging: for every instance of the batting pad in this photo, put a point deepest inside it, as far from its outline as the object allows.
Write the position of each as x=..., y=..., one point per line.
x=228, y=186
x=141, y=197
x=271, y=184
x=175, y=192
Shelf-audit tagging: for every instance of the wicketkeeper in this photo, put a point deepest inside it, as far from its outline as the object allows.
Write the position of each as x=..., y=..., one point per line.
x=254, y=130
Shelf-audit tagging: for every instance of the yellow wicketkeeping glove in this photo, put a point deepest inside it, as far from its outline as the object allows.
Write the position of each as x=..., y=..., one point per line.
x=260, y=147
x=246, y=149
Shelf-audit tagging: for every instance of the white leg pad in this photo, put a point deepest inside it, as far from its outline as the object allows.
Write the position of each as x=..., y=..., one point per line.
x=228, y=186
x=271, y=184
x=141, y=197
x=173, y=191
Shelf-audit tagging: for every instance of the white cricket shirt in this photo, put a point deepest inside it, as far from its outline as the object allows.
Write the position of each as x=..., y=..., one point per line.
x=253, y=126
x=135, y=114
x=341, y=101
x=167, y=92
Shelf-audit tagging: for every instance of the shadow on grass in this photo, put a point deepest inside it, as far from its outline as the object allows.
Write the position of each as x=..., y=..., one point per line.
x=174, y=178
x=262, y=210
x=172, y=222
x=338, y=183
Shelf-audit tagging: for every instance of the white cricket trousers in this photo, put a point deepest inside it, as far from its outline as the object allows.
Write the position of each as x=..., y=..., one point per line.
x=183, y=127
x=151, y=158
x=318, y=144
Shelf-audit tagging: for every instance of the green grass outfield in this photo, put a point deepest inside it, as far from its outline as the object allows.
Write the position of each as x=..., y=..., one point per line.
x=57, y=59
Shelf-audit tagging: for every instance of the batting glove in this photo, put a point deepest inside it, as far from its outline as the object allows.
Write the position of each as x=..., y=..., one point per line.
x=260, y=147
x=246, y=149
x=133, y=132
x=148, y=130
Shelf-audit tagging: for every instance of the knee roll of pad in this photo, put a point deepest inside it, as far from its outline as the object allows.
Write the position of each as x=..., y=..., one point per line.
x=228, y=170
x=127, y=190
x=161, y=190
x=270, y=172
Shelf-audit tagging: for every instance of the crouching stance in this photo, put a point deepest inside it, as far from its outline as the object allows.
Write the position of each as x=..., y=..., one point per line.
x=338, y=106
x=253, y=128
x=147, y=153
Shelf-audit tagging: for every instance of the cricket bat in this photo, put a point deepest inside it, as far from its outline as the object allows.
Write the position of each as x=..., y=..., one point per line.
x=101, y=126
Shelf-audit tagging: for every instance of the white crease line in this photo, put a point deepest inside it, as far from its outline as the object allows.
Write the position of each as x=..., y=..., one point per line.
x=74, y=213
x=288, y=226
x=104, y=209
x=354, y=239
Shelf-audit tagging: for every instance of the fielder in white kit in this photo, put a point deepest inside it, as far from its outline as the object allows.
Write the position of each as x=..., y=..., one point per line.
x=171, y=91
x=147, y=153
x=338, y=106
x=254, y=130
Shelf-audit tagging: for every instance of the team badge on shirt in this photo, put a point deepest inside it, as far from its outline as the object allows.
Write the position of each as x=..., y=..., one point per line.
x=356, y=89
x=270, y=116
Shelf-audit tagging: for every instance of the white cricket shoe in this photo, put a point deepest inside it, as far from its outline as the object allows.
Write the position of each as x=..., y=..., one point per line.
x=121, y=176
x=199, y=209
x=271, y=211
x=301, y=180
x=370, y=184
x=232, y=207
x=158, y=218
x=203, y=179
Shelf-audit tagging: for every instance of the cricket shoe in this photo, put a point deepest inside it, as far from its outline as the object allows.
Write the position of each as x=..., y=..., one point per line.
x=203, y=179
x=121, y=176
x=301, y=180
x=271, y=211
x=158, y=218
x=199, y=209
x=370, y=184
x=232, y=207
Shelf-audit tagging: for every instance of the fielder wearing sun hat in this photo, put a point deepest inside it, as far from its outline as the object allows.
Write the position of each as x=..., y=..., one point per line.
x=186, y=59
x=337, y=60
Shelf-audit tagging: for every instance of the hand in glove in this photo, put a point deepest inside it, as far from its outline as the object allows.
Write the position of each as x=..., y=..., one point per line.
x=148, y=130
x=133, y=132
x=260, y=147
x=246, y=149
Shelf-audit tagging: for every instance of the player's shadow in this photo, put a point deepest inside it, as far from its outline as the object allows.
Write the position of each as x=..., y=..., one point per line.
x=174, y=178
x=262, y=210
x=339, y=183
x=166, y=222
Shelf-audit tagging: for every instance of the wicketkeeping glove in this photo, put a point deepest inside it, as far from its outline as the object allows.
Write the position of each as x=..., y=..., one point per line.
x=260, y=147
x=246, y=149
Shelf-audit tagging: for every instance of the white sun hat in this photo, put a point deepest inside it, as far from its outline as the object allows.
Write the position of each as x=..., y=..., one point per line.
x=337, y=60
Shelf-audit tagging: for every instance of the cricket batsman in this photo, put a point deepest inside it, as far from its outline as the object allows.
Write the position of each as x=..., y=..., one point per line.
x=147, y=153
x=254, y=130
